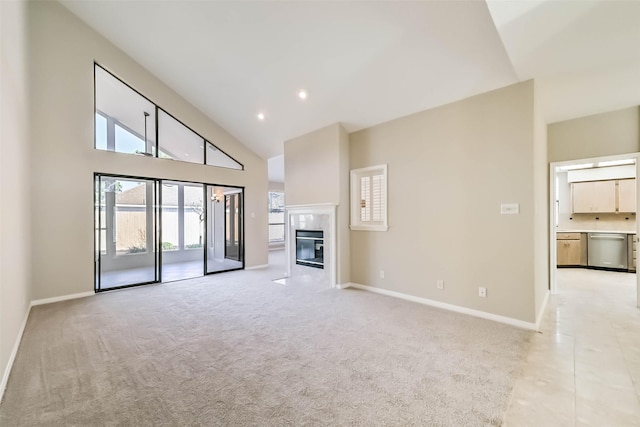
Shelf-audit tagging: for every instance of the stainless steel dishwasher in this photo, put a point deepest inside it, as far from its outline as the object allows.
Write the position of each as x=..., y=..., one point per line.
x=607, y=250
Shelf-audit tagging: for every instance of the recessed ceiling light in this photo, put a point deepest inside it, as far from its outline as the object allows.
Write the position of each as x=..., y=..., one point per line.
x=260, y=116
x=302, y=94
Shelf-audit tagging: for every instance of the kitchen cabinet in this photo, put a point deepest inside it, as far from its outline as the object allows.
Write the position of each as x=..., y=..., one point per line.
x=626, y=195
x=571, y=249
x=597, y=196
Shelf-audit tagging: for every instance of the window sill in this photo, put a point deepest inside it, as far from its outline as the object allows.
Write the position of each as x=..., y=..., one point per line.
x=369, y=227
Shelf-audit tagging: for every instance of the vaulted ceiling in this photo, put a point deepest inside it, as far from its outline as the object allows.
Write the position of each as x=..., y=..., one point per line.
x=363, y=63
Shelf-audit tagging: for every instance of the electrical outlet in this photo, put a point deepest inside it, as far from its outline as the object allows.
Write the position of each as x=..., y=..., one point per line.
x=382, y=274
x=482, y=292
x=440, y=284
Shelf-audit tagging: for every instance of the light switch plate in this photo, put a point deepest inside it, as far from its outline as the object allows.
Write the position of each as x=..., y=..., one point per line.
x=509, y=208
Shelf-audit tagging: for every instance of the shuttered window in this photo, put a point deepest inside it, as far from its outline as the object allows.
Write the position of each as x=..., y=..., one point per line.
x=369, y=198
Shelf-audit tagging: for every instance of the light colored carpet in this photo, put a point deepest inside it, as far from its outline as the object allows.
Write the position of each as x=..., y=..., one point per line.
x=237, y=349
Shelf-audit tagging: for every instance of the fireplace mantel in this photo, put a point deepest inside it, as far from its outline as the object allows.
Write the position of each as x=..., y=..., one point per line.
x=308, y=217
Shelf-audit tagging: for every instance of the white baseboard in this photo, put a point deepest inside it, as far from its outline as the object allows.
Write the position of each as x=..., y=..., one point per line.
x=257, y=267
x=344, y=285
x=62, y=298
x=12, y=357
x=540, y=313
x=451, y=307
x=14, y=352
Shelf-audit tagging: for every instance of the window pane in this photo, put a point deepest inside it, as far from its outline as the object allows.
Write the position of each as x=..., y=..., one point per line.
x=130, y=220
x=101, y=132
x=276, y=232
x=120, y=110
x=178, y=142
x=126, y=142
x=276, y=216
x=193, y=217
x=170, y=237
x=215, y=157
x=126, y=220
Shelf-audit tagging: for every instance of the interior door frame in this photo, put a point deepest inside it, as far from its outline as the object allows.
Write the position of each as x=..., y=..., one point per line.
x=553, y=286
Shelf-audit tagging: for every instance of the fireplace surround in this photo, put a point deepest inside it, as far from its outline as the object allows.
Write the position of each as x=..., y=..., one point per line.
x=309, y=221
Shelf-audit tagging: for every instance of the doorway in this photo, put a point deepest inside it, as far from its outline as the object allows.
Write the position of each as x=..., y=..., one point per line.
x=225, y=225
x=609, y=181
x=150, y=230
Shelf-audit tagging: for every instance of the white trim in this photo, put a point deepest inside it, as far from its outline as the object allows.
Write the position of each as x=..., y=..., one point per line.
x=369, y=227
x=310, y=208
x=456, y=308
x=276, y=246
x=553, y=249
x=540, y=313
x=553, y=261
x=344, y=285
x=61, y=298
x=14, y=352
x=257, y=267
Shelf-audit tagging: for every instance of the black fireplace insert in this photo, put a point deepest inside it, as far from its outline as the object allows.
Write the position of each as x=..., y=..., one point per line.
x=310, y=248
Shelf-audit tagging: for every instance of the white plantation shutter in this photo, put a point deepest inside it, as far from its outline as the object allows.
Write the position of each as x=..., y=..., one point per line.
x=377, y=199
x=365, y=198
x=369, y=198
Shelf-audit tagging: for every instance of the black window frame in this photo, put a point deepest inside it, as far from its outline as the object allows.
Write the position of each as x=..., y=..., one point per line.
x=155, y=124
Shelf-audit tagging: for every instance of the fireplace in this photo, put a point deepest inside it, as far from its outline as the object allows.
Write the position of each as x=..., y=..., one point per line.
x=310, y=248
x=317, y=224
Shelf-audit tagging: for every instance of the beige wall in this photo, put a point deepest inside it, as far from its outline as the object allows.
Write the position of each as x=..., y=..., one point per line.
x=312, y=168
x=607, y=134
x=317, y=171
x=15, y=259
x=276, y=186
x=449, y=169
x=64, y=160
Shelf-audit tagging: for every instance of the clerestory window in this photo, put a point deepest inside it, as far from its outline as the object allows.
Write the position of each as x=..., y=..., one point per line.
x=128, y=122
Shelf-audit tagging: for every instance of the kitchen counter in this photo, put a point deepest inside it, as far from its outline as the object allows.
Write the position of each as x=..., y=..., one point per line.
x=595, y=231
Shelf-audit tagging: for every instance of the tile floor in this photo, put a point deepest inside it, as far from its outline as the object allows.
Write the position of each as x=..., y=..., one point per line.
x=170, y=272
x=583, y=369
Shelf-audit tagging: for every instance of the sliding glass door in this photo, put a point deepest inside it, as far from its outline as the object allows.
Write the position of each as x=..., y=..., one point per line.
x=225, y=243
x=233, y=227
x=183, y=225
x=149, y=230
x=125, y=224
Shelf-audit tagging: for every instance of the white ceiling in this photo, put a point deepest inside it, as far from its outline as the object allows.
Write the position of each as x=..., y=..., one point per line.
x=364, y=63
